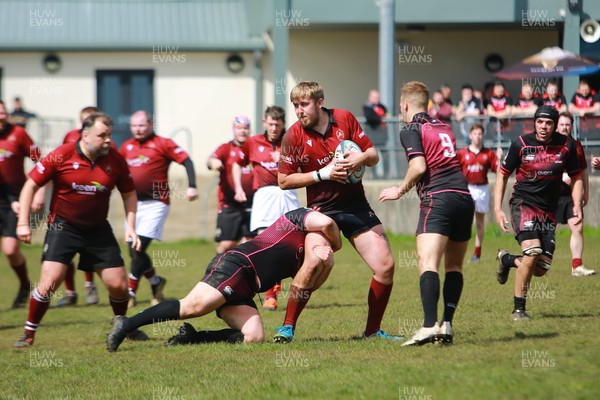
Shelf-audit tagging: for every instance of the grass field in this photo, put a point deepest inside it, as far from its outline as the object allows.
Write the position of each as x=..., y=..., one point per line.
x=555, y=356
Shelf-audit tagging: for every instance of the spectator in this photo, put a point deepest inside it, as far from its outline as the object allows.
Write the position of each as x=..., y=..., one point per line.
x=446, y=90
x=374, y=111
x=500, y=104
x=440, y=108
x=469, y=106
x=584, y=101
x=527, y=103
x=19, y=116
x=554, y=98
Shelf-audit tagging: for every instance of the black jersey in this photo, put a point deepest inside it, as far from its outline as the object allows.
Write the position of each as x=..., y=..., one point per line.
x=540, y=167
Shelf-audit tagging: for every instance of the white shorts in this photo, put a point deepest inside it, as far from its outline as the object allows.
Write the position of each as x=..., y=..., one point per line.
x=270, y=203
x=481, y=197
x=150, y=218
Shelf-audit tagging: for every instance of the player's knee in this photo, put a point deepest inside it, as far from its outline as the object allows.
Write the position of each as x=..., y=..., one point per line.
x=254, y=336
x=533, y=251
x=543, y=266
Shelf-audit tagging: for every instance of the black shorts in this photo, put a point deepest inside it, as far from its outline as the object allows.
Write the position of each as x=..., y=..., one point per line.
x=97, y=248
x=564, y=212
x=233, y=276
x=233, y=224
x=447, y=213
x=352, y=223
x=529, y=222
x=8, y=220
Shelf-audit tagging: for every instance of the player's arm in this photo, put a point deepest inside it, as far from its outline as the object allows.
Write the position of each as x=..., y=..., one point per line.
x=499, y=190
x=585, y=178
x=236, y=176
x=318, y=222
x=296, y=180
x=416, y=168
x=192, y=192
x=130, y=205
x=214, y=164
x=25, y=200
x=577, y=194
x=39, y=199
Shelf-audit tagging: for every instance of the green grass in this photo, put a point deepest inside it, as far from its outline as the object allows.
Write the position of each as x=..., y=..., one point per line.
x=555, y=356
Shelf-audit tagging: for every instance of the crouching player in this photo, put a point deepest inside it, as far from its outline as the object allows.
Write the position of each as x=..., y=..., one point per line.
x=232, y=279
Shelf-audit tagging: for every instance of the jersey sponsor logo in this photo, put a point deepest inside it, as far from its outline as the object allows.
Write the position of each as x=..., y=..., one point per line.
x=475, y=168
x=326, y=160
x=88, y=189
x=4, y=154
x=339, y=134
x=361, y=135
x=270, y=165
x=228, y=290
x=138, y=161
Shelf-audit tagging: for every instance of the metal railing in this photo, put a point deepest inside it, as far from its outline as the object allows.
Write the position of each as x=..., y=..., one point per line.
x=498, y=133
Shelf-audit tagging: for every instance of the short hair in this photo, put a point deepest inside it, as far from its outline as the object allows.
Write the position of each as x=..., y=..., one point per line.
x=2, y=103
x=566, y=114
x=467, y=86
x=312, y=90
x=275, y=112
x=416, y=93
x=88, y=110
x=552, y=83
x=584, y=82
x=146, y=115
x=497, y=83
x=477, y=126
x=92, y=118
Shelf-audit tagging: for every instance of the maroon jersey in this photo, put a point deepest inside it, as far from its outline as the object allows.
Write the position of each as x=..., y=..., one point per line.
x=565, y=190
x=81, y=189
x=557, y=102
x=229, y=154
x=257, y=152
x=75, y=134
x=308, y=150
x=581, y=101
x=475, y=166
x=15, y=146
x=278, y=252
x=149, y=162
x=430, y=138
x=539, y=168
x=500, y=103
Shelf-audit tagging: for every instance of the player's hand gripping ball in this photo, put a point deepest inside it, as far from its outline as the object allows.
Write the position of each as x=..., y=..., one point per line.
x=345, y=146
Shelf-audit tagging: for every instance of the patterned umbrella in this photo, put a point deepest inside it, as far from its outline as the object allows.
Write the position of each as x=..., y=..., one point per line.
x=550, y=62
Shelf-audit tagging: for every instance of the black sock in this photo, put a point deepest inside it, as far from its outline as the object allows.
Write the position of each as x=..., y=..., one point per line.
x=520, y=303
x=224, y=335
x=430, y=294
x=509, y=260
x=453, y=286
x=165, y=311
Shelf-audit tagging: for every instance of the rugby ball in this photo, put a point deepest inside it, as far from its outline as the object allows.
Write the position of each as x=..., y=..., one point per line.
x=349, y=146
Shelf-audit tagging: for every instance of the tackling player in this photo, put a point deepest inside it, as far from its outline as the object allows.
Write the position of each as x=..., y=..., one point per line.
x=232, y=279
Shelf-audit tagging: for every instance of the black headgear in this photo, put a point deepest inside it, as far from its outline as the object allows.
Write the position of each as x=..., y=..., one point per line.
x=546, y=112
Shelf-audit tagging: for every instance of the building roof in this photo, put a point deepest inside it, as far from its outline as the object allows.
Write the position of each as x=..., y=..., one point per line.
x=210, y=25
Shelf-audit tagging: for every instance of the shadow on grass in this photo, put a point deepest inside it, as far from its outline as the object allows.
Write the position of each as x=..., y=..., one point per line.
x=522, y=336
x=316, y=307
x=561, y=316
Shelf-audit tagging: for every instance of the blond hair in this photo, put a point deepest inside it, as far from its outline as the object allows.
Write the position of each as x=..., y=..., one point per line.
x=415, y=93
x=312, y=90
